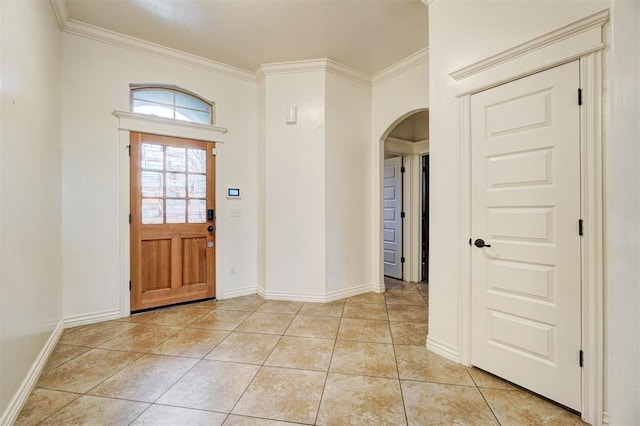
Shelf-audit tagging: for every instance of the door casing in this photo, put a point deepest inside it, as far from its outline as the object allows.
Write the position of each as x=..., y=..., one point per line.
x=591, y=146
x=141, y=123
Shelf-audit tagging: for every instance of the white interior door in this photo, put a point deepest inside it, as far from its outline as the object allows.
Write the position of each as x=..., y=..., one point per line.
x=392, y=219
x=526, y=324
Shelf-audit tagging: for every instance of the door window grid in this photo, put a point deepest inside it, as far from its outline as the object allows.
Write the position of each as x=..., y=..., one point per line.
x=174, y=184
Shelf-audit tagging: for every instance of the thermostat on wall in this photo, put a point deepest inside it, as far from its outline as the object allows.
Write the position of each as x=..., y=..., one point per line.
x=233, y=193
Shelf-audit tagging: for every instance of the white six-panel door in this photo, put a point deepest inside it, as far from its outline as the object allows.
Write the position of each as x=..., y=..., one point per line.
x=525, y=153
x=392, y=220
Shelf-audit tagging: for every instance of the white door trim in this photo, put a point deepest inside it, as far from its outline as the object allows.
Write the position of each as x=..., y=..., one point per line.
x=412, y=153
x=587, y=46
x=377, y=203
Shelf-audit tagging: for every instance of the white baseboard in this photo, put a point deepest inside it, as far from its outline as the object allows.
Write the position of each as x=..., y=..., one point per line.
x=381, y=288
x=315, y=298
x=15, y=406
x=349, y=292
x=299, y=297
x=245, y=291
x=605, y=418
x=293, y=297
x=84, y=319
x=443, y=349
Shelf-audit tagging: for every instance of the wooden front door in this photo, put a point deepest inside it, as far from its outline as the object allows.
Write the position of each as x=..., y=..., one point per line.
x=172, y=220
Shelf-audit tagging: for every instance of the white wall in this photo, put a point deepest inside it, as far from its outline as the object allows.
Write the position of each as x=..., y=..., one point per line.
x=392, y=100
x=347, y=180
x=623, y=213
x=262, y=266
x=294, y=185
x=30, y=226
x=95, y=81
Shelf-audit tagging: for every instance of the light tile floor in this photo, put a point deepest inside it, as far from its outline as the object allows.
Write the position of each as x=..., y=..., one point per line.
x=247, y=361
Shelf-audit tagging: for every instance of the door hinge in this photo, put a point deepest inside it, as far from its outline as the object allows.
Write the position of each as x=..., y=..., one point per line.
x=402, y=169
x=402, y=259
x=402, y=215
x=129, y=149
x=214, y=152
x=580, y=227
x=129, y=285
x=579, y=96
x=581, y=358
x=470, y=241
x=129, y=218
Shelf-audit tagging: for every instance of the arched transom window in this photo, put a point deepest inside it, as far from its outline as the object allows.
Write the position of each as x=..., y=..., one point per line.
x=171, y=102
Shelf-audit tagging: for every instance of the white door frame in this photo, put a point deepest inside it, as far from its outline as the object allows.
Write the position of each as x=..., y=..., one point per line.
x=377, y=204
x=581, y=40
x=411, y=153
x=413, y=209
x=141, y=123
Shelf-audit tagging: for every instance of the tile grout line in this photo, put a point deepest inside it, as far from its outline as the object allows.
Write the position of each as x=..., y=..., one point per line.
x=108, y=339
x=59, y=409
x=326, y=378
x=89, y=390
x=395, y=359
x=259, y=368
x=488, y=405
x=198, y=363
x=137, y=359
x=189, y=370
x=484, y=398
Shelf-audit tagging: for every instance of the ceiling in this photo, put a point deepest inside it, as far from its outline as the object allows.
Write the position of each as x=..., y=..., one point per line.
x=368, y=35
x=414, y=128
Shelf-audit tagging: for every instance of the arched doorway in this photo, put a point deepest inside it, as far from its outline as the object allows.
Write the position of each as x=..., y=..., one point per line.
x=404, y=193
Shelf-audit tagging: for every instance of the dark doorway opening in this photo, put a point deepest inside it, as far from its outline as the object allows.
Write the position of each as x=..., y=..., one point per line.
x=425, y=218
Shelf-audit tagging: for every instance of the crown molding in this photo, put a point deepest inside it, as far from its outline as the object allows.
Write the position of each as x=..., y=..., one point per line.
x=81, y=29
x=307, y=65
x=405, y=64
x=61, y=12
x=71, y=26
x=566, y=32
x=348, y=72
x=310, y=65
x=427, y=2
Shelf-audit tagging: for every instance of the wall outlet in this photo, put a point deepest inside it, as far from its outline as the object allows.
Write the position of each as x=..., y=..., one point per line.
x=233, y=271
